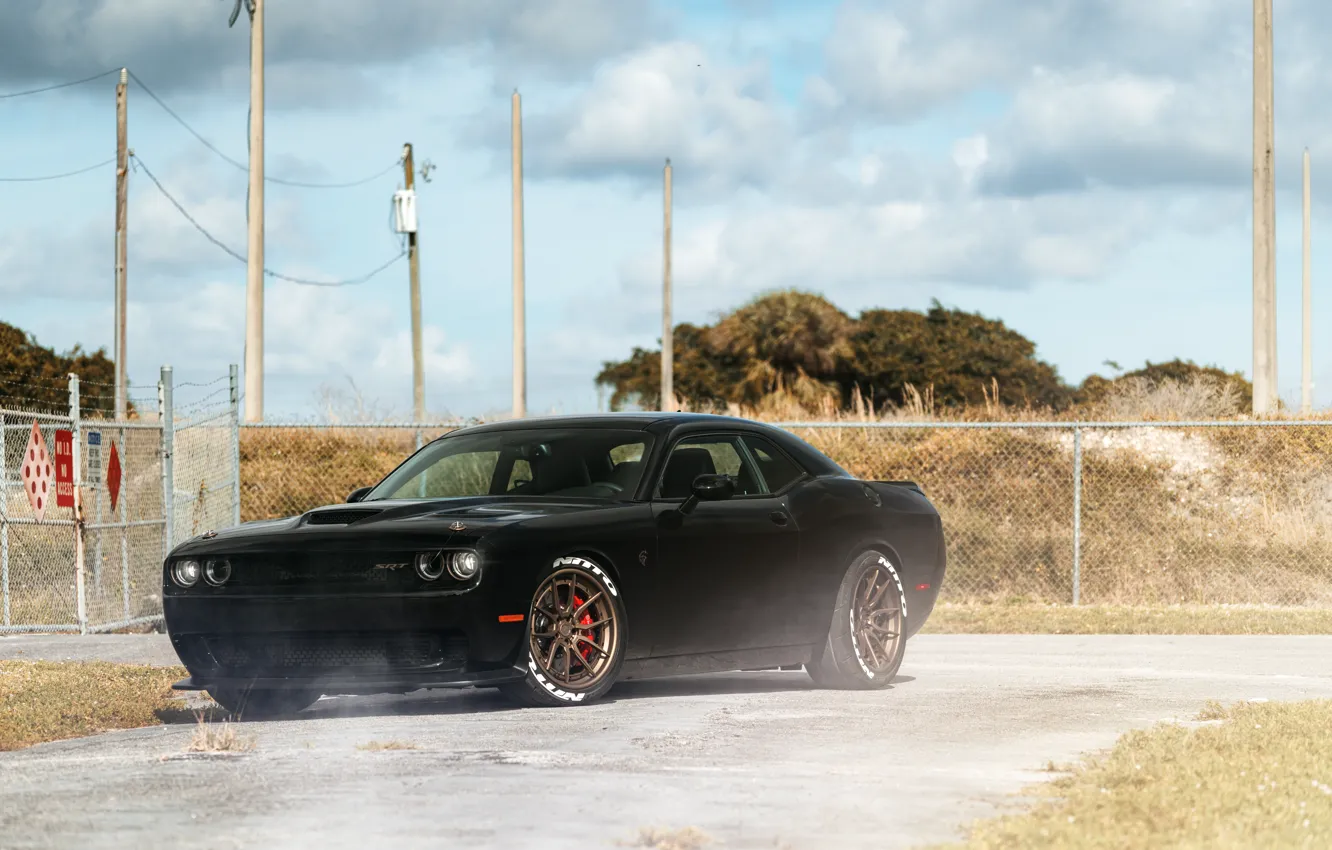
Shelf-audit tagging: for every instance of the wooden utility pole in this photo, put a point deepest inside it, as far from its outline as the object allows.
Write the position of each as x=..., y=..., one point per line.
x=667, y=329
x=122, y=195
x=254, y=270
x=1264, y=216
x=519, y=309
x=414, y=264
x=1306, y=359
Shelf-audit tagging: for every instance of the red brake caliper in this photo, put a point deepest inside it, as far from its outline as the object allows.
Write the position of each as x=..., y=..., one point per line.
x=585, y=621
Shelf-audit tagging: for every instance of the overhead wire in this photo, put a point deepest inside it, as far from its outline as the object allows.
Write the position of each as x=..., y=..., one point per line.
x=46, y=177
x=139, y=164
x=8, y=95
x=242, y=166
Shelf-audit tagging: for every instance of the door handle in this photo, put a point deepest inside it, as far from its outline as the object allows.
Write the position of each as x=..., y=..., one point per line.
x=778, y=517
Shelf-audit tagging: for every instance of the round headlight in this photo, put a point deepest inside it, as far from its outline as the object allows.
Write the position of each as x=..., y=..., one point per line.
x=217, y=572
x=463, y=565
x=430, y=565
x=186, y=573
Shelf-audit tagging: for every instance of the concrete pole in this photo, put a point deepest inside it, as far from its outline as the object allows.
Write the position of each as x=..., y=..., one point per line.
x=1264, y=215
x=254, y=271
x=667, y=328
x=414, y=267
x=1306, y=359
x=519, y=308
x=122, y=202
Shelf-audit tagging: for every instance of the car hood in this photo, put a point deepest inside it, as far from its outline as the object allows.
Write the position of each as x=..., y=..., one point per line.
x=462, y=521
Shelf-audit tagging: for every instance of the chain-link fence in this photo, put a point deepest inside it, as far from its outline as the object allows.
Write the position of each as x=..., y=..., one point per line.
x=1117, y=512
x=97, y=567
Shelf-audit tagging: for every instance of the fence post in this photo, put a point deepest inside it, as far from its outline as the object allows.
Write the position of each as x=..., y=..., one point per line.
x=164, y=391
x=1077, y=514
x=235, y=446
x=79, y=579
x=4, y=525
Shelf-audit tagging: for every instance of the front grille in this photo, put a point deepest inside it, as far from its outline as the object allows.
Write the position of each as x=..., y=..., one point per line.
x=322, y=571
x=344, y=516
x=288, y=653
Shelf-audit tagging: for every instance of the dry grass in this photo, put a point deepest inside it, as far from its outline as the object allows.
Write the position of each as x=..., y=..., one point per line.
x=688, y=838
x=1251, y=775
x=1037, y=619
x=217, y=738
x=386, y=746
x=51, y=701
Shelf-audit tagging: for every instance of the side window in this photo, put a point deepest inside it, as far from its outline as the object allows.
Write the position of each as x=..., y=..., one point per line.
x=695, y=456
x=520, y=475
x=778, y=472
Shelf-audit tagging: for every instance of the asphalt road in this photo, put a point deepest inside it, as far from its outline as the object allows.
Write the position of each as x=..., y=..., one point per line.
x=758, y=760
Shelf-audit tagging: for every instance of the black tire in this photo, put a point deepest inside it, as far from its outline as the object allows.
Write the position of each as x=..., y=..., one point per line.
x=545, y=684
x=260, y=703
x=848, y=659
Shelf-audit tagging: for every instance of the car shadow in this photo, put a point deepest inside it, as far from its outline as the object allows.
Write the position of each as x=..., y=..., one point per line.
x=444, y=702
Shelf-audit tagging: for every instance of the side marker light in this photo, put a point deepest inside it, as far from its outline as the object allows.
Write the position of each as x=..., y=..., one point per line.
x=922, y=587
x=511, y=618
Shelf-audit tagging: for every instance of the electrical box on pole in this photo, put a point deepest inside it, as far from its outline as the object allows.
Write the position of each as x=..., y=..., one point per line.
x=404, y=210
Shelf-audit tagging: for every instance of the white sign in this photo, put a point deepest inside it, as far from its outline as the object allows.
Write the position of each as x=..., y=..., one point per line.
x=94, y=458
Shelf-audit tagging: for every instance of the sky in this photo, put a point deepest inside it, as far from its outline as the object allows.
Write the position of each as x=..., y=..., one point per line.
x=1079, y=170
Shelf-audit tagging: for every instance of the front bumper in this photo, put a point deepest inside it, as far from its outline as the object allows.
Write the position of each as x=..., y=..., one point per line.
x=343, y=643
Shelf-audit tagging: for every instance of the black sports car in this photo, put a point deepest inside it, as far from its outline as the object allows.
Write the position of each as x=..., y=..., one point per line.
x=553, y=557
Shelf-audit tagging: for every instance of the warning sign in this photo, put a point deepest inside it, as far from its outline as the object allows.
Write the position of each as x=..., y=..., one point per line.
x=36, y=472
x=93, y=468
x=113, y=475
x=64, y=468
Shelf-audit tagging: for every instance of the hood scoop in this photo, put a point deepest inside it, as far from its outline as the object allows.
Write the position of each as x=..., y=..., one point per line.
x=340, y=516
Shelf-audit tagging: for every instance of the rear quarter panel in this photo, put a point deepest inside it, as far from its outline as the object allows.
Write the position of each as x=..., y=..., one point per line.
x=839, y=519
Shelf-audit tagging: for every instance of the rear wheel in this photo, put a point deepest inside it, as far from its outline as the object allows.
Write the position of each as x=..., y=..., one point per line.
x=575, y=637
x=261, y=703
x=867, y=637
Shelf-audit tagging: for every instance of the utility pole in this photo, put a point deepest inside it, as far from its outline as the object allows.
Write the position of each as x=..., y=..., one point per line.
x=667, y=335
x=1264, y=215
x=122, y=195
x=1306, y=364
x=414, y=264
x=519, y=310
x=254, y=266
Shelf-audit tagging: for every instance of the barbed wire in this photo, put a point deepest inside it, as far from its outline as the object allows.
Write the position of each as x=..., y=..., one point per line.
x=242, y=166
x=139, y=163
x=43, y=89
x=47, y=177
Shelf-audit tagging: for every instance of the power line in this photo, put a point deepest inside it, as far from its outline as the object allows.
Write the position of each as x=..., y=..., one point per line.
x=59, y=85
x=242, y=166
x=57, y=176
x=139, y=164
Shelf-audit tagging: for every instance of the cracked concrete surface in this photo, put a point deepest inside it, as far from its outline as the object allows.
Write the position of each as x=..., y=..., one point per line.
x=754, y=760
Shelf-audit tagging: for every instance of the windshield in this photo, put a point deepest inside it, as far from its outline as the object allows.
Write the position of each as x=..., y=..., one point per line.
x=572, y=462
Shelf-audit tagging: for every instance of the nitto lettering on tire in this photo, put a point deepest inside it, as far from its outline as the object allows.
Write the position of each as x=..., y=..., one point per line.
x=857, y=628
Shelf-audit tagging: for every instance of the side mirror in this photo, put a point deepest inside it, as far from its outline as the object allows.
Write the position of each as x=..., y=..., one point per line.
x=358, y=494
x=708, y=488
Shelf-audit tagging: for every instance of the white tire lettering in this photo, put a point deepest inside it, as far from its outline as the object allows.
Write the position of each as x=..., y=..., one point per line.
x=560, y=693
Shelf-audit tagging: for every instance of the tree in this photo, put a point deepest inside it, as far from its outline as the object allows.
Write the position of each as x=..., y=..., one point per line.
x=961, y=355
x=800, y=343
x=32, y=375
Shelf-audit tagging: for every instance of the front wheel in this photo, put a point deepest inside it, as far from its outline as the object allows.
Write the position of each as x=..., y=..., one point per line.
x=867, y=637
x=575, y=637
x=261, y=703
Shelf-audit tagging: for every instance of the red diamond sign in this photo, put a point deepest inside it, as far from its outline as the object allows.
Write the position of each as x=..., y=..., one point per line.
x=113, y=476
x=38, y=481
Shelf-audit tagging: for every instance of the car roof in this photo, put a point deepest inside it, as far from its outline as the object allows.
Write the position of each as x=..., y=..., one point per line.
x=636, y=421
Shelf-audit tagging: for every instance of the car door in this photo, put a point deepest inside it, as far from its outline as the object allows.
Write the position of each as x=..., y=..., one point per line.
x=719, y=565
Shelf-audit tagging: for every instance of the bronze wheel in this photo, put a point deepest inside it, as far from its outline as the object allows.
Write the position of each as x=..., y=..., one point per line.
x=575, y=631
x=876, y=620
x=575, y=636
x=867, y=636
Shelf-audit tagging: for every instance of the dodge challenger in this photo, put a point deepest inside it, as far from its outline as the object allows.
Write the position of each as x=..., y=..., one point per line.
x=553, y=557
